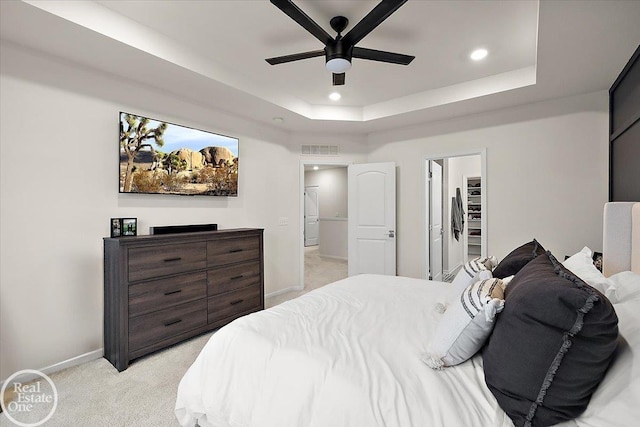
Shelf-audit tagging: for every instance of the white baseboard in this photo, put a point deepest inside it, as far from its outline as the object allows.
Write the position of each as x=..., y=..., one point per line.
x=454, y=270
x=284, y=291
x=333, y=257
x=74, y=361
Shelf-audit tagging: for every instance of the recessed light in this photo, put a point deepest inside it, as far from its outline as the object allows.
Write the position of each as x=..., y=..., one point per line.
x=335, y=96
x=315, y=168
x=479, y=54
x=278, y=120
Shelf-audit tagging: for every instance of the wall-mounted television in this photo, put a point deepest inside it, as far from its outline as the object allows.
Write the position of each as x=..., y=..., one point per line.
x=158, y=157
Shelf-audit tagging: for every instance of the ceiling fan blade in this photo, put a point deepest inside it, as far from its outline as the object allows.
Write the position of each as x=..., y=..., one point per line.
x=303, y=19
x=382, y=56
x=294, y=57
x=372, y=20
x=338, y=79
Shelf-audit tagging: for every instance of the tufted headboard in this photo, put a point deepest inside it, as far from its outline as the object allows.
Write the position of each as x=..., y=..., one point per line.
x=621, y=237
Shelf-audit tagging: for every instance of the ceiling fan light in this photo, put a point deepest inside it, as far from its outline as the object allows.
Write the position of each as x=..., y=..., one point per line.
x=338, y=65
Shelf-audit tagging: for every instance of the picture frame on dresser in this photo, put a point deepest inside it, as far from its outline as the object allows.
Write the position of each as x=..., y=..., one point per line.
x=129, y=226
x=116, y=227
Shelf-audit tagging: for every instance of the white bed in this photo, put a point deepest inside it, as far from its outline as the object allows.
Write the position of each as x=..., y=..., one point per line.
x=349, y=354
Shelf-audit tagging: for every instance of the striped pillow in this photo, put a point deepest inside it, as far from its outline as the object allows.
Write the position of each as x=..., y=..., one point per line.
x=471, y=272
x=466, y=325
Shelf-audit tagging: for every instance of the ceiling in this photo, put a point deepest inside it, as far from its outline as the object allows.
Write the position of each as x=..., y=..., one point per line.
x=212, y=53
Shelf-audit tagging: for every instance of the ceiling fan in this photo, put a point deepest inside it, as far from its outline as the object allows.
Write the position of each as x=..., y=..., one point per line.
x=339, y=51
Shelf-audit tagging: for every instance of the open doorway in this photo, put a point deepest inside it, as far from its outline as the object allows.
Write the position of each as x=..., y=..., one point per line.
x=455, y=212
x=324, y=190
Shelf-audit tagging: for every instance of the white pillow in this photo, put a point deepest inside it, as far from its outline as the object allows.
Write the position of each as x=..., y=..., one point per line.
x=471, y=272
x=581, y=264
x=466, y=325
x=627, y=285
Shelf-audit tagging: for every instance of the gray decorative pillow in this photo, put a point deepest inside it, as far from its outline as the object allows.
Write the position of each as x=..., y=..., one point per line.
x=517, y=259
x=551, y=345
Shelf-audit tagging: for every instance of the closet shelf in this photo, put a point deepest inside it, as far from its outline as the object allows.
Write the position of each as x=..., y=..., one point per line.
x=474, y=217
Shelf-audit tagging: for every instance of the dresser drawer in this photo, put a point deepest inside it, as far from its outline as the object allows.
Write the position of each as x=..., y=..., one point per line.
x=155, y=295
x=157, y=261
x=151, y=328
x=225, y=305
x=228, y=251
x=238, y=276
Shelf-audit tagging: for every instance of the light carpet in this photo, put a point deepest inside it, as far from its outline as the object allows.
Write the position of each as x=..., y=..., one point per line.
x=96, y=394
x=318, y=271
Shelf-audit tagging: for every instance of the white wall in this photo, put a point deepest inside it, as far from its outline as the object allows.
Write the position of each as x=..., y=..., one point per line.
x=333, y=239
x=547, y=174
x=332, y=185
x=59, y=187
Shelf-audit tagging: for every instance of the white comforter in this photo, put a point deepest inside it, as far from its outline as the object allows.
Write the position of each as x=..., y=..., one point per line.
x=347, y=354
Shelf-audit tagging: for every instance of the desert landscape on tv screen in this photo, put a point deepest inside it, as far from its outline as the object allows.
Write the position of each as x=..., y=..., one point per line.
x=163, y=158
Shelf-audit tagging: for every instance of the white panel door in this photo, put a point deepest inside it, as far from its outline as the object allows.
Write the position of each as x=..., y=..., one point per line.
x=372, y=218
x=311, y=216
x=435, y=223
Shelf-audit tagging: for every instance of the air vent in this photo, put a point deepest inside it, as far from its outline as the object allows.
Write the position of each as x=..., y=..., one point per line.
x=319, y=150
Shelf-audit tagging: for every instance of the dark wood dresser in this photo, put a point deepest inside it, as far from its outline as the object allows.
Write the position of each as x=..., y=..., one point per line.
x=162, y=289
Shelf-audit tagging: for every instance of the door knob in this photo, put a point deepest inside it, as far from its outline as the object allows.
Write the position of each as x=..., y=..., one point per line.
x=392, y=233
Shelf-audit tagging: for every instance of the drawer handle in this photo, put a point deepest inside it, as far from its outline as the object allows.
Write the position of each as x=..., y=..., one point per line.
x=173, y=322
x=173, y=259
x=232, y=251
x=237, y=277
x=173, y=292
x=238, y=301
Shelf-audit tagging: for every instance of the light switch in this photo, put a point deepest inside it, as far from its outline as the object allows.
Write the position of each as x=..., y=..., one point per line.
x=283, y=220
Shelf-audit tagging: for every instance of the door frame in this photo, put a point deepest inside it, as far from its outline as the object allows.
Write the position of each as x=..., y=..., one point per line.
x=428, y=166
x=303, y=163
x=482, y=152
